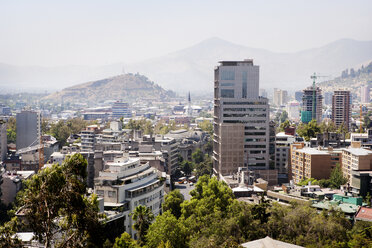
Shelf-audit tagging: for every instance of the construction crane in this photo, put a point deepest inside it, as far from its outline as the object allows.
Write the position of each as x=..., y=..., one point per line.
x=314, y=77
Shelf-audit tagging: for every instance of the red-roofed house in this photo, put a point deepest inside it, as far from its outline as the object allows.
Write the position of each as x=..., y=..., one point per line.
x=364, y=214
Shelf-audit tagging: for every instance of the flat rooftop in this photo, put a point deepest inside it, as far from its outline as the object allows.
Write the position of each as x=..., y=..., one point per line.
x=358, y=151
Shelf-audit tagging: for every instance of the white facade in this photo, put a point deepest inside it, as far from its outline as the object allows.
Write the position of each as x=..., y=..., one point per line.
x=293, y=110
x=364, y=94
x=127, y=182
x=282, y=151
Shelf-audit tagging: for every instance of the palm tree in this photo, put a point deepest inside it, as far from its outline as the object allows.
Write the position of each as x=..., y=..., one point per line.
x=142, y=216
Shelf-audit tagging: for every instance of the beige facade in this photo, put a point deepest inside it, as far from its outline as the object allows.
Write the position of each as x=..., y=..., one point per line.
x=237, y=101
x=341, y=108
x=354, y=159
x=313, y=163
x=230, y=148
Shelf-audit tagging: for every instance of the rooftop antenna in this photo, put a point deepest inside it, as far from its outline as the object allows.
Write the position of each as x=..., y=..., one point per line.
x=123, y=70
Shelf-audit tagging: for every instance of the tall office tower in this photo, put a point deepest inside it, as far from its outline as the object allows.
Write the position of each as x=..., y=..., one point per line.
x=341, y=109
x=241, y=119
x=280, y=97
x=364, y=94
x=121, y=109
x=28, y=128
x=299, y=95
x=310, y=109
x=328, y=98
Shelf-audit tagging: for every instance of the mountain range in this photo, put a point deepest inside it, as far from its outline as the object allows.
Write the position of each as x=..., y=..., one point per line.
x=191, y=69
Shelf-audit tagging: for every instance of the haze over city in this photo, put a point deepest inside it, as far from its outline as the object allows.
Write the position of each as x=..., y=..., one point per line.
x=44, y=33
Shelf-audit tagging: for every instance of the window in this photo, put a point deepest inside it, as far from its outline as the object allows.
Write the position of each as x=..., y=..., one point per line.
x=227, y=84
x=227, y=75
x=112, y=193
x=244, y=85
x=227, y=93
x=100, y=192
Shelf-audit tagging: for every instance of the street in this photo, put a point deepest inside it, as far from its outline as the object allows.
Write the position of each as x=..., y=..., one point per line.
x=185, y=189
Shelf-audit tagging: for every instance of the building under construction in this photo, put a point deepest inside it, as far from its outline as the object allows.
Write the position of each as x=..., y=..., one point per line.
x=312, y=109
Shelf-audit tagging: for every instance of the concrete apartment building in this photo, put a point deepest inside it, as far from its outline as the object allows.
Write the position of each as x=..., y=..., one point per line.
x=121, y=109
x=282, y=155
x=28, y=128
x=126, y=184
x=341, y=108
x=355, y=158
x=308, y=113
x=237, y=104
x=88, y=138
x=308, y=162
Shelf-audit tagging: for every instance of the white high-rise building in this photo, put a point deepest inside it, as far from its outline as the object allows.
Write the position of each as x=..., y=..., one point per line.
x=364, y=94
x=280, y=97
x=241, y=118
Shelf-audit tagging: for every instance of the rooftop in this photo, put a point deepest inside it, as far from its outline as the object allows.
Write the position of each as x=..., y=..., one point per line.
x=358, y=151
x=268, y=243
x=312, y=151
x=364, y=214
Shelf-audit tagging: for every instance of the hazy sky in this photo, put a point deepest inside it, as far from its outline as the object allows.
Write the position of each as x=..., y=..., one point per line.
x=94, y=32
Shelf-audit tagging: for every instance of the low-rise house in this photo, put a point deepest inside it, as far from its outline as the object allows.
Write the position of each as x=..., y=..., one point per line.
x=364, y=214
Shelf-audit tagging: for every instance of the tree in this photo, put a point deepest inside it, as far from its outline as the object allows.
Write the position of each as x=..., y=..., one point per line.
x=208, y=147
x=284, y=125
x=327, y=127
x=7, y=232
x=63, y=129
x=342, y=129
x=44, y=126
x=142, y=217
x=11, y=130
x=168, y=229
x=206, y=126
x=125, y=241
x=308, y=131
x=337, y=178
x=186, y=167
x=54, y=203
x=205, y=167
x=283, y=116
x=197, y=156
x=173, y=202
